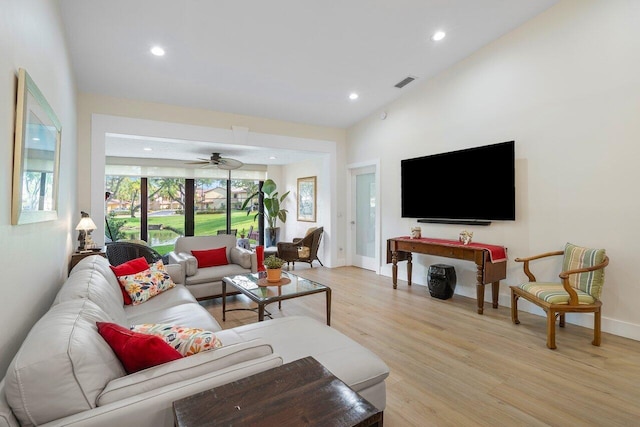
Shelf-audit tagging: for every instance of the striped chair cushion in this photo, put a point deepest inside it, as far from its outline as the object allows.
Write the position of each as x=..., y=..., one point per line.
x=578, y=257
x=554, y=293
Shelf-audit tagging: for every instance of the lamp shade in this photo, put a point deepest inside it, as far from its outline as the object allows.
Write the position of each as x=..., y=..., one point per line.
x=86, y=224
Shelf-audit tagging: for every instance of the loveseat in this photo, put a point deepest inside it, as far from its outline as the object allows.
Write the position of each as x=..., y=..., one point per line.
x=66, y=374
x=206, y=282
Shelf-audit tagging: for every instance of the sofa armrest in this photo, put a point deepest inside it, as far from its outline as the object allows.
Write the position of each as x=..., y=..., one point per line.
x=189, y=262
x=245, y=258
x=176, y=271
x=174, y=257
x=204, y=363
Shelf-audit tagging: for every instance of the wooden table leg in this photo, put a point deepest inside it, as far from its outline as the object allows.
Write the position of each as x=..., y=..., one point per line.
x=394, y=268
x=409, y=267
x=328, y=306
x=495, y=291
x=480, y=286
x=224, y=300
x=480, y=297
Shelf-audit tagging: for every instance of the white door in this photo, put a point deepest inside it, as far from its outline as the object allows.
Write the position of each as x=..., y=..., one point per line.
x=363, y=223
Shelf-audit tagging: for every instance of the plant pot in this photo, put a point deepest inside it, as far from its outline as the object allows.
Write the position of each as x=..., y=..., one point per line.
x=274, y=274
x=271, y=236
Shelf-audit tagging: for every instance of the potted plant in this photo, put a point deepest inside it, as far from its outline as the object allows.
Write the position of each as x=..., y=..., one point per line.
x=273, y=264
x=272, y=210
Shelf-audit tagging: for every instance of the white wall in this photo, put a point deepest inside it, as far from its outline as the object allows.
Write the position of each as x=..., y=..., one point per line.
x=34, y=257
x=328, y=252
x=565, y=87
x=98, y=115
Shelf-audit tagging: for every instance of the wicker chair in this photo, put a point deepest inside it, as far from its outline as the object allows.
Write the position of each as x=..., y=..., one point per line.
x=303, y=249
x=121, y=252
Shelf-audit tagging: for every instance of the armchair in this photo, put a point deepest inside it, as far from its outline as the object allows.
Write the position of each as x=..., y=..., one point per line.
x=253, y=234
x=302, y=249
x=206, y=282
x=582, y=278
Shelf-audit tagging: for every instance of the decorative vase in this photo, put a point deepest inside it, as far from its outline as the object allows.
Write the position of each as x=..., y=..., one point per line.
x=260, y=257
x=273, y=274
x=465, y=237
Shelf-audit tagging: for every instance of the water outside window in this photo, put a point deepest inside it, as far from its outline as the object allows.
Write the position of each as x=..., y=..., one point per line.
x=165, y=212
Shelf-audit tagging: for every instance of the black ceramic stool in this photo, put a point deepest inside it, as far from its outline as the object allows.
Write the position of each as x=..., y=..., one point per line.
x=442, y=281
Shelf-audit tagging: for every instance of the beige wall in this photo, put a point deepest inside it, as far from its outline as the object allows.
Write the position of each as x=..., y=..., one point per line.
x=565, y=87
x=34, y=257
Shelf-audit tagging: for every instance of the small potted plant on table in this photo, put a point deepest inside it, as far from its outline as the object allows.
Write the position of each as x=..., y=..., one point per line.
x=273, y=264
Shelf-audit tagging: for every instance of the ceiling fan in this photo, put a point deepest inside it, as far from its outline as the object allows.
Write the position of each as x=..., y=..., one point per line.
x=218, y=161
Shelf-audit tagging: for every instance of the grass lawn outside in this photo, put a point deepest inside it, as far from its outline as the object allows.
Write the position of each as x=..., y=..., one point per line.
x=172, y=226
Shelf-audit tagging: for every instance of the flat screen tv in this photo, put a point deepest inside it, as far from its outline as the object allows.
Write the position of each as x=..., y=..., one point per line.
x=470, y=186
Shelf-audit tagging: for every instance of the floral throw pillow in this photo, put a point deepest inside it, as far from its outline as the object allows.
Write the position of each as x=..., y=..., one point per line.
x=158, y=265
x=146, y=284
x=187, y=341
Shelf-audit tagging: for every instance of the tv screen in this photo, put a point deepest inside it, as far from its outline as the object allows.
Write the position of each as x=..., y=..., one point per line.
x=471, y=184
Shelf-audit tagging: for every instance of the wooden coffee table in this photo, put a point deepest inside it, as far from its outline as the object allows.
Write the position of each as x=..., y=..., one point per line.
x=262, y=293
x=300, y=393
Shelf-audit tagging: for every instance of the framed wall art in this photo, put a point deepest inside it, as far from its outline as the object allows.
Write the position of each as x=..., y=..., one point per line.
x=36, y=156
x=307, y=199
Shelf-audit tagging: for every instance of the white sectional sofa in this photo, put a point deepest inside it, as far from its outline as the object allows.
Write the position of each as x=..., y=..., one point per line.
x=66, y=374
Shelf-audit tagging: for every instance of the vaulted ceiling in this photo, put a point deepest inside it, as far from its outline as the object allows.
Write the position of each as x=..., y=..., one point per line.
x=292, y=60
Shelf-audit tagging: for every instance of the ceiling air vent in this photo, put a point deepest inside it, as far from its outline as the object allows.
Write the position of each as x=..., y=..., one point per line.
x=404, y=82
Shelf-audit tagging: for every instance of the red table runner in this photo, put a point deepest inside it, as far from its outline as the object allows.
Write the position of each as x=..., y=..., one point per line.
x=496, y=253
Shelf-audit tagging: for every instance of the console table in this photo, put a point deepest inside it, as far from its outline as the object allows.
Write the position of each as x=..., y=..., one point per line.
x=491, y=260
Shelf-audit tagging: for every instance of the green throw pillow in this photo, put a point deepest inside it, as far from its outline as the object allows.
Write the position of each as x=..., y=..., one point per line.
x=576, y=257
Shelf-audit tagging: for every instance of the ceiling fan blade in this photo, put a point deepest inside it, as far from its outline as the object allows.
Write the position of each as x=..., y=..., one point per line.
x=219, y=162
x=198, y=163
x=228, y=164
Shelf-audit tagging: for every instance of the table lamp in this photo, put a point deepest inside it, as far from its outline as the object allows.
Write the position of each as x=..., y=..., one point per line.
x=85, y=227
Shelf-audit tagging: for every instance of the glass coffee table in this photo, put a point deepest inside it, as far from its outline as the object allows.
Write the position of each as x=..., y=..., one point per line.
x=263, y=293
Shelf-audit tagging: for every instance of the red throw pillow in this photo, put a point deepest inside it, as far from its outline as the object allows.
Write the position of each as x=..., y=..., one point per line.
x=136, y=351
x=130, y=267
x=211, y=257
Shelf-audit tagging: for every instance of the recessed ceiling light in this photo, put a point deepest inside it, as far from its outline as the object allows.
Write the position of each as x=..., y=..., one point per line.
x=438, y=35
x=36, y=139
x=157, y=51
x=353, y=96
x=147, y=149
x=272, y=157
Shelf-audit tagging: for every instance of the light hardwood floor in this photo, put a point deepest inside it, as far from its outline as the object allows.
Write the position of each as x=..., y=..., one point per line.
x=450, y=366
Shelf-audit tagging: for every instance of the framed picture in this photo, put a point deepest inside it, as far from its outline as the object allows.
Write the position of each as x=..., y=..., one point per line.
x=36, y=156
x=307, y=199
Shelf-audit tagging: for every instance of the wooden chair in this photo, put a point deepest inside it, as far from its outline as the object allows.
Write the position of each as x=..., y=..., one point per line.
x=303, y=249
x=253, y=235
x=582, y=278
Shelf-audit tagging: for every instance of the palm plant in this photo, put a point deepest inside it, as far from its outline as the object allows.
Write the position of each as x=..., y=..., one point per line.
x=272, y=206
